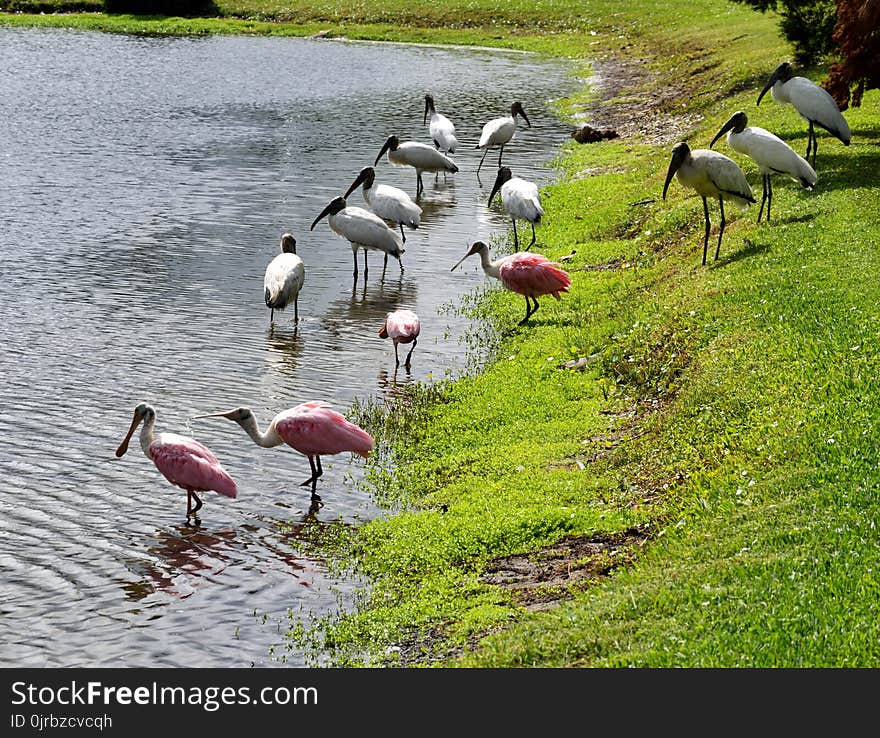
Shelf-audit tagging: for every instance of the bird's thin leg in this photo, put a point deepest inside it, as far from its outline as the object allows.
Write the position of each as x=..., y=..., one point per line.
x=485, y=151
x=769, y=196
x=295, y=310
x=315, y=495
x=811, y=144
x=396, y=359
x=532, y=243
x=366, y=266
x=420, y=186
x=354, y=253
x=312, y=479
x=706, y=236
x=528, y=312
x=402, y=234
x=499, y=155
x=191, y=495
x=763, y=195
x=721, y=229
x=515, y=237
x=406, y=363
x=271, y=314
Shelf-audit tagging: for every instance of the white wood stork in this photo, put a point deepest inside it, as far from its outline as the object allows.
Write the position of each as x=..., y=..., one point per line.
x=769, y=152
x=284, y=278
x=363, y=229
x=420, y=156
x=387, y=202
x=442, y=129
x=519, y=199
x=812, y=103
x=500, y=131
x=709, y=174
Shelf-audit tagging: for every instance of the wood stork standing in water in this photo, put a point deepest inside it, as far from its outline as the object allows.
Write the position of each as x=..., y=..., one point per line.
x=284, y=279
x=500, y=131
x=529, y=275
x=420, y=156
x=709, y=174
x=442, y=129
x=401, y=326
x=363, y=229
x=812, y=103
x=769, y=152
x=183, y=461
x=387, y=202
x=520, y=199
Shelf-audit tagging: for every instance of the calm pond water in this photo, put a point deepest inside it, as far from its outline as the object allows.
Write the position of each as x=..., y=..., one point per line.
x=145, y=185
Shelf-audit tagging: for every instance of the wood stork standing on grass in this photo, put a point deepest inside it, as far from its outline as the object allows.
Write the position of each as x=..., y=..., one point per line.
x=769, y=152
x=500, y=131
x=387, y=202
x=442, y=129
x=363, y=229
x=529, y=275
x=401, y=326
x=284, y=279
x=520, y=199
x=420, y=156
x=812, y=103
x=709, y=174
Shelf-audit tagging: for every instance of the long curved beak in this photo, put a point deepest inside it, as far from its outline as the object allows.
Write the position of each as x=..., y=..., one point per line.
x=725, y=128
x=123, y=447
x=322, y=215
x=359, y=180
x=495, y=188
x=385, y=147
x=774, y=78
x=213, y=415
x=425, y=118
x=525, y=118
x=673, y=168
x=459, y=261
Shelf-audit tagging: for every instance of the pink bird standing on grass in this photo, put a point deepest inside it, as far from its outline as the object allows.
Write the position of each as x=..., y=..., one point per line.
x=183, y=461
x=401, y=326
x=311, y=428
x=528, y=274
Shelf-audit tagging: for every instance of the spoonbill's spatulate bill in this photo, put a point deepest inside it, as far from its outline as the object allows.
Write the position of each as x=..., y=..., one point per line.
x=419, y=156
x=519, y=199
x=284, y=279
x=183, y=461
x=311, y=428
x=527, y=274
x=389, y=203
x=813, y=103
x=500, y=131
x=769, y=152
x=401, y=326
x=709, y=174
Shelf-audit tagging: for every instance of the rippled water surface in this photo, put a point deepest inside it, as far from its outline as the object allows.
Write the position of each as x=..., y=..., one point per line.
x=145, y=184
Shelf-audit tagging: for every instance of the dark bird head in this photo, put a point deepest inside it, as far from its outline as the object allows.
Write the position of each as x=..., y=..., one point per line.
x=365, y=177
x=288, y=244
x=429, y=107
x=476, y=248
x=782, y=73
x=736, y=123
x=680, y=152
x=333, y=207
x=517, y=109
x=391, y=144
x=503, y=176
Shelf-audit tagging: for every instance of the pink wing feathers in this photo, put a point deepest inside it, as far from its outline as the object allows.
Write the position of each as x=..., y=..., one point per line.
x=533, y=275
x=188, y=464
x=313, y=429
x=402, y=325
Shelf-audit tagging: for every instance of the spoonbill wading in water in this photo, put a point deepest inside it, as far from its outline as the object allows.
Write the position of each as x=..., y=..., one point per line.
x=420, y=156
x=401, y=326
x=527, y=274
x=311, y=428
x=441, y=129
x=769, y=152
x=519, y=199
x=709, y=174
x=363, y=229
x=183, y=461
x=500, y=131
x=389, y=203
x=813, y=103
x=284, y=279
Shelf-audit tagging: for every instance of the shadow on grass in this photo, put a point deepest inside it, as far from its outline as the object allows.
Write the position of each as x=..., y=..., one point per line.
x=751, y=249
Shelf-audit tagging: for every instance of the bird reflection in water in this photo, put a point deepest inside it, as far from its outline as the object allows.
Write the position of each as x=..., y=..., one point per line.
x=284, y=346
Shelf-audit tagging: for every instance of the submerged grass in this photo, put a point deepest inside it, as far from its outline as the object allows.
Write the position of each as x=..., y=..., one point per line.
x=703, y=490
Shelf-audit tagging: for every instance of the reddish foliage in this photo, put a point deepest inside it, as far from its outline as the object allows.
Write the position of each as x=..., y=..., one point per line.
x=857, y=33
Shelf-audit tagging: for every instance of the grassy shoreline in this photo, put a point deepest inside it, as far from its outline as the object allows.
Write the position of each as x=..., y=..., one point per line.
x=704, y=492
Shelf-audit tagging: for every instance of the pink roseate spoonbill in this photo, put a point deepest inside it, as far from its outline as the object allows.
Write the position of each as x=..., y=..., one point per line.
x=527, y=274
x=769, y=152
x=284, y=279
x=363, y=229
x=709, y=174
x=419, y=156
x=389, y=203
x=183, y=461
x=311, y=428
x=519, y=199
x=813, y=103
x=401, y=326
x=441, y=129
x=500, y=131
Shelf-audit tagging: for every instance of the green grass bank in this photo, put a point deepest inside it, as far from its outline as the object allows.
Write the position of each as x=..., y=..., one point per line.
x=703, y=491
